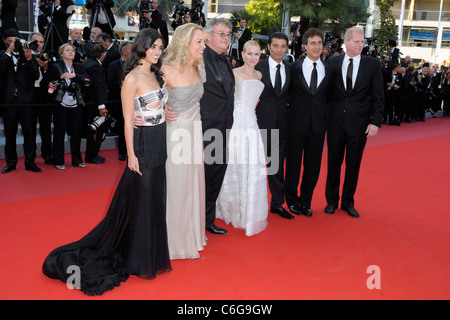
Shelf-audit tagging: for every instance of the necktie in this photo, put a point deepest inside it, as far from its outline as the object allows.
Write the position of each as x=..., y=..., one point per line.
x=313, y=83
x=350, y=75
x=277, y=86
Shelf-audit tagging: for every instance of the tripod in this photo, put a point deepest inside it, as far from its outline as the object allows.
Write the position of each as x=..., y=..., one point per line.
x=49, y=34
x=232, y=41
x=98, y=7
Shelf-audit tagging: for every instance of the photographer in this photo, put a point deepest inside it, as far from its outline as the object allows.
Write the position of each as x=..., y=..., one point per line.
x=424, y=81
x=19, y=71
x=391, y=93
x=434, y=91
x=97, y=95
x=181, y=19
x=8, y=15
x=241, y=35
x=57, y=12
x=102, y=15
x=44, y=113
x=111, y=51
x=77, y=41
x=197, y=14
x=150, y=17
x=446, y=92
x=412, y=93
x=64, y=80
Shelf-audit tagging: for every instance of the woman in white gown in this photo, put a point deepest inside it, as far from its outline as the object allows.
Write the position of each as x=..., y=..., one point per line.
x=243, y=197
x=184, y=75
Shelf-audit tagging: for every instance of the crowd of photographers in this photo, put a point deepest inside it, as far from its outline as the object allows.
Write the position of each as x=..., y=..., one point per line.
x=66, y=83
x=70, y=80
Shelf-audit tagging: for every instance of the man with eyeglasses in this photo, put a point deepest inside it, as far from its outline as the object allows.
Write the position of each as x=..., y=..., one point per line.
x=216, y=109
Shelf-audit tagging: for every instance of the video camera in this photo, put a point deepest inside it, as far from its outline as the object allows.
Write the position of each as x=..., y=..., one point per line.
x=180, y=9
x=79, y=49
x=145, y=6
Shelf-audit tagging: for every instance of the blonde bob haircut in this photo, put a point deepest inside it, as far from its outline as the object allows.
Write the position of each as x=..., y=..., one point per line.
x=251, y=43
x=177, y=51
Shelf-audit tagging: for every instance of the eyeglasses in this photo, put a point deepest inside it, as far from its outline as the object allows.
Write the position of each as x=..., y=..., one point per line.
x=223, y=34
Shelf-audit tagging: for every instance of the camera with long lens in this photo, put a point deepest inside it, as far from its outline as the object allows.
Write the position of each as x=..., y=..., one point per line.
x=99, y=126
x=20, y=44
x=73, y=89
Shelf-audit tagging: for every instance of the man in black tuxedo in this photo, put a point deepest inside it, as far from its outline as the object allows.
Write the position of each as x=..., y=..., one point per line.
x=241, y=35
x=96, y=96
x=111, y=51
x=271, y=114
x=355, y=113
x=115, y=85
x=101, y=12
x=307, y=122
x=152, y=18
x=216, y=111
x=19, y=70
x=8, y=15
x=57, y=33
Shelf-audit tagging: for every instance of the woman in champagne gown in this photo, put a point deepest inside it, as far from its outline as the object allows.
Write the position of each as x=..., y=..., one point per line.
x=184, y=75
x=132, y=238
x=243, y=197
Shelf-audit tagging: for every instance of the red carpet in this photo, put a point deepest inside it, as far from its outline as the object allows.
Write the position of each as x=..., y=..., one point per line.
x=404, y=230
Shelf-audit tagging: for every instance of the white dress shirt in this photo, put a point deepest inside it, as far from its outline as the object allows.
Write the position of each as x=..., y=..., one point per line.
x=273, y=70
x=307, y=68
x=345, y=63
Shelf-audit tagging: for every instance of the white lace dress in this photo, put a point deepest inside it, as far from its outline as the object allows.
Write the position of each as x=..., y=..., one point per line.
x=243, y=197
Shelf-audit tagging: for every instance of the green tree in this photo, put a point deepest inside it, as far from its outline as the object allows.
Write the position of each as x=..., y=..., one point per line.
x=388, y=29
x=338, y=15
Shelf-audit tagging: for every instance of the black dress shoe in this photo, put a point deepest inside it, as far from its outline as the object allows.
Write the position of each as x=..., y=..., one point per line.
x=351, y=211
x=122, y=157
x=329, y=209
x=97, y=159
x=8, y=169
x=282, y=212
x=32, y=167
x=294, y=209
x=306, y=211
x=216, y=230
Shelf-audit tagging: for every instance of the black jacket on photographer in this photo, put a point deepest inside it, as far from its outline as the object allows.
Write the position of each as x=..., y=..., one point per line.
x=59, y=15
x=18, y=75
x=96, y=96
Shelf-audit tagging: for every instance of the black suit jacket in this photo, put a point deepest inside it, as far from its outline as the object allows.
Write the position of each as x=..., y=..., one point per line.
x=97, y=92
x=111, y=55
x=17, y=86
x=8, y=16
x=115, y=79
x=60, y=17
x=307, y=108
x=271, y=111
x=364, y=105
x=245, y=36
x=217, y=103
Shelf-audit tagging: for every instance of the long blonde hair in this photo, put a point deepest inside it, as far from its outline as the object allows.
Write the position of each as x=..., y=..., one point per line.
x=177, y=51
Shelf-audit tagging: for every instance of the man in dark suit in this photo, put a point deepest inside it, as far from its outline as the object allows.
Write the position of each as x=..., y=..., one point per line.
x=57, y=33
x=241, y=35
x=216, y=111
x=307, y=123
x=96, y=96
x=101, y=12
x=8, y=15
x=355, y=113
x=19, y=70
x=111, y=51
x=271, y=114
x=115, y=85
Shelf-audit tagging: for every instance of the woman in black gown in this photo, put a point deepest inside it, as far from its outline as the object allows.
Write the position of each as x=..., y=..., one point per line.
x=132, y=238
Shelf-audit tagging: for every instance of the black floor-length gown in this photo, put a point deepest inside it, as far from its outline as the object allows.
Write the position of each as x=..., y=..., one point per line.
x=132, y=238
